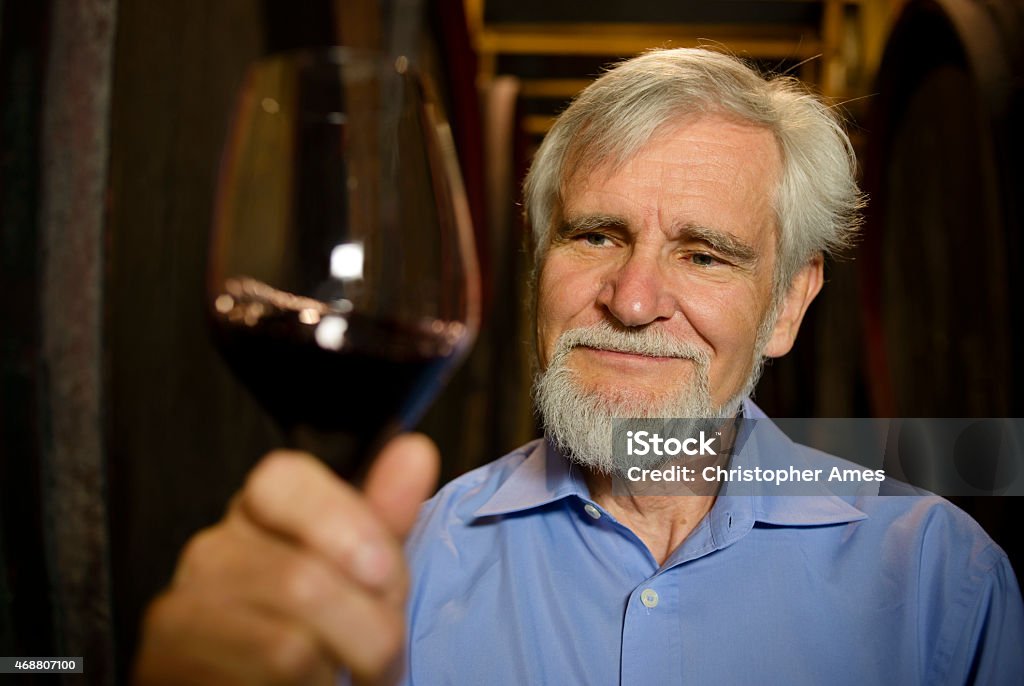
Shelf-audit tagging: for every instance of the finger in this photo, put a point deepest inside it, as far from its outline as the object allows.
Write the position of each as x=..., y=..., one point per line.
x=401, y=478
x=359, y=628
x=296, y=496
x=228, y=645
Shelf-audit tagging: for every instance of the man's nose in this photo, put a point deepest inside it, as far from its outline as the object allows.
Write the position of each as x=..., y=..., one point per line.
x=637, y=292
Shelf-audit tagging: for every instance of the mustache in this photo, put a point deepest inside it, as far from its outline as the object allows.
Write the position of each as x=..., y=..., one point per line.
x=647, y=341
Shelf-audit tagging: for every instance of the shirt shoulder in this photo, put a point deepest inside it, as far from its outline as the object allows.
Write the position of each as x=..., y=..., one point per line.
x=909, y=518
x=937, y=529
x=969, y=608
x=456, y=503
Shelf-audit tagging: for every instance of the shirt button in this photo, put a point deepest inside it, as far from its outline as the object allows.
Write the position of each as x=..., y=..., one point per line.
x=649, y=597
x=592, y=511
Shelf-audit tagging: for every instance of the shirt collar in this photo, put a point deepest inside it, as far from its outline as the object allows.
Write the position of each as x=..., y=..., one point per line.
x=546, y=476
x=543, y=477
x=770, y=448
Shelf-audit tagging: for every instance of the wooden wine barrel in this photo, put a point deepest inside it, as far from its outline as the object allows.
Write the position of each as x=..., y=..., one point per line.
x=942, y=250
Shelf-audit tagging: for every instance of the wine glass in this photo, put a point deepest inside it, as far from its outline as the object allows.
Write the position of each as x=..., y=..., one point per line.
x=342, y=280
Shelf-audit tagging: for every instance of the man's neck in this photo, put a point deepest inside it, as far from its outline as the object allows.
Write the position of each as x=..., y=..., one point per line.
x=662, y=522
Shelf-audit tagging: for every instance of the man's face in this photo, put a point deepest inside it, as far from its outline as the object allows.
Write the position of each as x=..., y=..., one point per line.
x=680, y=239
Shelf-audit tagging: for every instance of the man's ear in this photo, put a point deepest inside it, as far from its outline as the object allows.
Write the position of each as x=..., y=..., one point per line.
x=802, y=290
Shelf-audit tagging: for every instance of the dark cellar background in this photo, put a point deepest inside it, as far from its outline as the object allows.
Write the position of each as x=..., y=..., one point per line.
x=122, y=432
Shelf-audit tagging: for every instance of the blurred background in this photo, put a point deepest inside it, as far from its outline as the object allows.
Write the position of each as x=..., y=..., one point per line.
x=122, y=432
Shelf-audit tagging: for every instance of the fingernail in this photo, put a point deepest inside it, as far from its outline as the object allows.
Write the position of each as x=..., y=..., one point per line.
x=372, y=565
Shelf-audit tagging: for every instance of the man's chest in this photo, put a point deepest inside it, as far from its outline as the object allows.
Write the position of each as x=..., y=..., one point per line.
x=592, y=609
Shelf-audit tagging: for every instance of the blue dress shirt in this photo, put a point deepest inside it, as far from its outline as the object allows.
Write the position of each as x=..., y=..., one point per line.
x=520, y=578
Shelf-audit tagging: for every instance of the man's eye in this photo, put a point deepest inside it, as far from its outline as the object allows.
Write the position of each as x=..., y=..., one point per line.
x=595, y=239
x=702, y=259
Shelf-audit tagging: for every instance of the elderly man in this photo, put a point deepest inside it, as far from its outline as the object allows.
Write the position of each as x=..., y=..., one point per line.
x=682, y=206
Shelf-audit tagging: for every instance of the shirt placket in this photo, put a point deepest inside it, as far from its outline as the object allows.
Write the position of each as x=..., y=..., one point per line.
x=653, y=643
x=650, y=634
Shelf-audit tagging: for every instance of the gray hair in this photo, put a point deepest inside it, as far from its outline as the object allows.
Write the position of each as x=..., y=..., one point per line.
x=817, y=201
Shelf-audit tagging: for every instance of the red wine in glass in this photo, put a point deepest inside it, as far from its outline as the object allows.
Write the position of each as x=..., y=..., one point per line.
x=342, y=283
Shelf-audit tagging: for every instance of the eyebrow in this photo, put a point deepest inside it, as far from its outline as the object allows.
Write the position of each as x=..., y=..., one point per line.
x=591, y=222
x=719, y=241
x=724, y=243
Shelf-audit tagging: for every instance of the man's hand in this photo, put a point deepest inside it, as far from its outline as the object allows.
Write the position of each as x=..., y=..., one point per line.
x=304, y=574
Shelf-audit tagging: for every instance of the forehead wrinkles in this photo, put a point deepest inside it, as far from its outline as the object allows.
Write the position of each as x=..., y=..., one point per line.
x=727, y=184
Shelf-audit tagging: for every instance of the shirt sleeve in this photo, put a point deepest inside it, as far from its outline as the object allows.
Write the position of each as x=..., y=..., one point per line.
x=991, y=645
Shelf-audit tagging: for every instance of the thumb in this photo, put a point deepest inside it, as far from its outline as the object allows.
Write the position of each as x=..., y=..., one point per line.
x=400, y=479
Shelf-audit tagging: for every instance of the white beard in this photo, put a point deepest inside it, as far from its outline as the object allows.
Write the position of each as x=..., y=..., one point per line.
x=580, y=422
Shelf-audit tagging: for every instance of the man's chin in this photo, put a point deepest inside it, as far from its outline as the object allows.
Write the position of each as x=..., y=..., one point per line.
x=628, y=401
